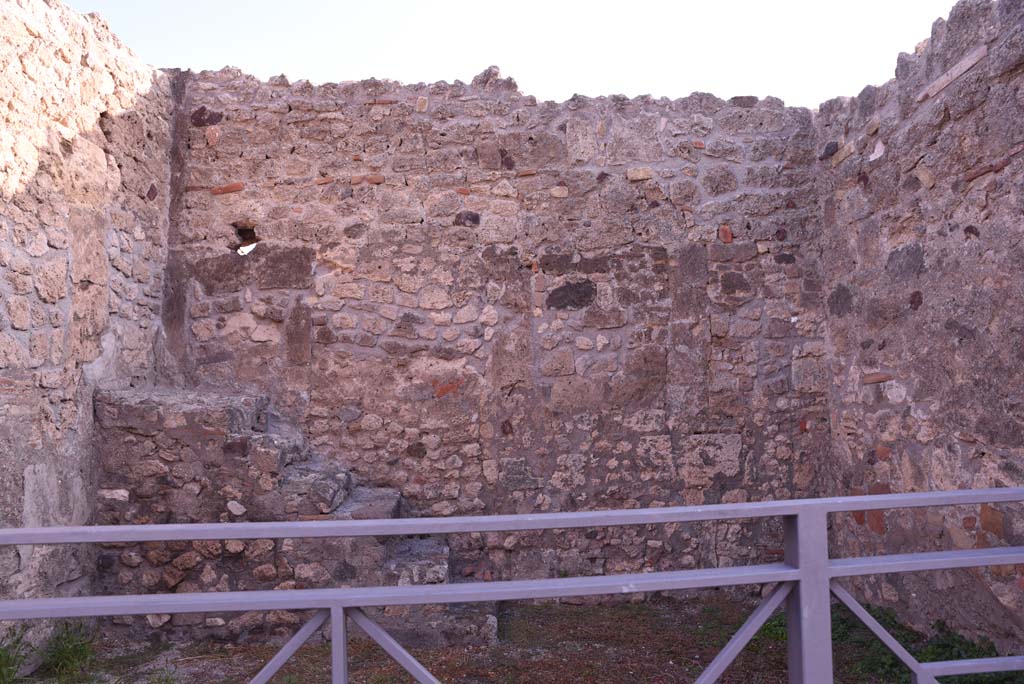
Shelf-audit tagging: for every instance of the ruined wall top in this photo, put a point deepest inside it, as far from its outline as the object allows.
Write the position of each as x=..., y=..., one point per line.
x=62, y=69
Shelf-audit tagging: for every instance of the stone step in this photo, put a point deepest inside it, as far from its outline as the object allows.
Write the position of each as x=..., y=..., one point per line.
x=368, y=503
x=179, y=413
x=170, y=455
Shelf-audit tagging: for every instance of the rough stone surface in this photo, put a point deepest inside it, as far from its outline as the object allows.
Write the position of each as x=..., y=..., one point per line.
x=923, y=262
x=456, y=299
x=179, y=456
x=84, y=135
x=531, y=311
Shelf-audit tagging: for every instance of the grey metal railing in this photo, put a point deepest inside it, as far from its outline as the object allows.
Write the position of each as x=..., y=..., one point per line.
x=805, y=578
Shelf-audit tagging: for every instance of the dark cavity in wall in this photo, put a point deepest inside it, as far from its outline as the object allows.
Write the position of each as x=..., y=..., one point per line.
x=245, y=231
x=573, y=295
x=840, y=302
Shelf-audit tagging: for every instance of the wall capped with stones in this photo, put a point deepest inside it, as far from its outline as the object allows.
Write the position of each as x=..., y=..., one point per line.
x=84, y=139
x=498, y=305
x=923, y=196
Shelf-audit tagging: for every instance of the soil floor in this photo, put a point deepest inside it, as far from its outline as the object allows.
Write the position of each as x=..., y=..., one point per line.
x=662, y=641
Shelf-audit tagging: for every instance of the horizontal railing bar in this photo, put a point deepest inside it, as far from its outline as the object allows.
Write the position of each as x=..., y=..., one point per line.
x=928, y=560
x=355, y=597
x=495, y=523
x=946, y=668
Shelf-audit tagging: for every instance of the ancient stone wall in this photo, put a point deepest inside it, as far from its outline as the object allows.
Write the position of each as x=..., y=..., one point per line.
x=168, y=455
x=922, y=190
x=499, y=305
x=84, y=139
x=479, y=303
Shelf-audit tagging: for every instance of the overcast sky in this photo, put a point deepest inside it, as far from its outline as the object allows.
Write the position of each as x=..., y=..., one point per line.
x=803, y=51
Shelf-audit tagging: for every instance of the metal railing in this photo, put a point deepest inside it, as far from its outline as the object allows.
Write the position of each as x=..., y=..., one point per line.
x=805, y=578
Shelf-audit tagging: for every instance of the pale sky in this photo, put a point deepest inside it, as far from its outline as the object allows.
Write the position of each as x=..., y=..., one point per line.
x=803, y=51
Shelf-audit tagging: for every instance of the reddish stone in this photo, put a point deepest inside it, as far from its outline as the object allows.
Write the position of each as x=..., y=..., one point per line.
x=226, y=189
x=187, y=560
x=375, y=179
x=883, y=453
x=324, y=181
x=876, y=378
x=172, y=576
x=441, y=390
x=876, y=521
x=463, y=191
x=992, y=521
x=969, y=522
x=382, y=101
x=526, y=172
x=880, y=488
x=725, y=233
x=858, y=517
x=158, y=556
x=699, y=144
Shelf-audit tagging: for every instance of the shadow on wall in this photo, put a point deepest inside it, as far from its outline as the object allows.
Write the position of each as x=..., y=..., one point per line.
x=83, y=180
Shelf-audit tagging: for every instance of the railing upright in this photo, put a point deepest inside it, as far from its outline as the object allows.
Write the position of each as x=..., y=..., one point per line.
x=808, y=608
x=339, y=646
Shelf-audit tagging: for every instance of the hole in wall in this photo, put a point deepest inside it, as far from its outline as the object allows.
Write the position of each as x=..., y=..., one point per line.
x=245, y=231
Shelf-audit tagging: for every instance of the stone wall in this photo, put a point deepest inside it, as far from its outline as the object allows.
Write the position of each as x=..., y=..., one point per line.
x=489, y=304
x=181, y=456
x=499, y=305
x=84, y=137
x=922, y=185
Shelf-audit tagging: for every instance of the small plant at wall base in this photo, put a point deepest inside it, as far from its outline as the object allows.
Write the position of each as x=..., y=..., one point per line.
x=69, y=653
x=12, y=655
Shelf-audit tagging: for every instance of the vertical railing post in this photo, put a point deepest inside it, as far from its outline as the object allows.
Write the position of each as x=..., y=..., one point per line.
x=339, y=647
x=808, y=608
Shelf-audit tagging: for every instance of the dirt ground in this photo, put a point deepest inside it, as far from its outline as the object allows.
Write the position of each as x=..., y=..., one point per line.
x=663, y=641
